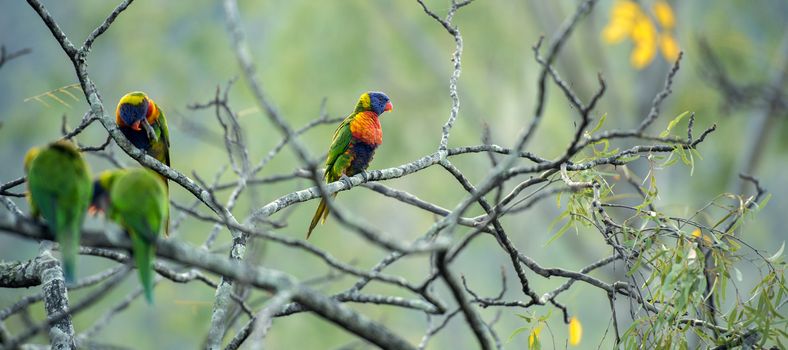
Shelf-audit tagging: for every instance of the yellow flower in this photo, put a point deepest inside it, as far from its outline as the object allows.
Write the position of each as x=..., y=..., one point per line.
x=616, y=31
x=706, y=239
x=664, y=14
x=626, y=9
x=669, y=47
x=575, y=331
x=533, y=338
x=643, y=31
x=641, y=56
x=628, y=20
x=644, y=35
x=622, y=18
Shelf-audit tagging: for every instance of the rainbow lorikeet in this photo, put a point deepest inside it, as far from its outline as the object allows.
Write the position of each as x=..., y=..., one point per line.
x=354, y=144
x=136, y=199
x=59, y=190
x=143, y=123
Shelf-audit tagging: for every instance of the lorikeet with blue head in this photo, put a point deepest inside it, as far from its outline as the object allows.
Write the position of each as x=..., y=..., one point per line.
x=354, y=144
x=59, y=190
x=136, y=199
x=143, y=123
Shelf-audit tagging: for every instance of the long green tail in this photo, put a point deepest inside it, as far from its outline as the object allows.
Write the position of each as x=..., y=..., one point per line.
x=69, y=248
x=167, y=191
x=322, y=211
x=66, y=230
x=143, y=257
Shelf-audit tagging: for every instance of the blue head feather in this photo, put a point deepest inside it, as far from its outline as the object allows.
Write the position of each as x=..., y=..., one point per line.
x=131, y=113
x=377, y=102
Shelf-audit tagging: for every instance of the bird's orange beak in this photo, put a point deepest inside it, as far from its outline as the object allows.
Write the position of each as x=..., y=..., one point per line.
x=136, y=125
x=389, y=107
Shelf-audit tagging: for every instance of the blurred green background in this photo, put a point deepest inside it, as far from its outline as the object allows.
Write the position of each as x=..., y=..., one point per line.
x=179, y=52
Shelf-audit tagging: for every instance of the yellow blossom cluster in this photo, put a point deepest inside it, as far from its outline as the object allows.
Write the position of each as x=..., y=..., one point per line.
x=629, y=20
x=575, y=334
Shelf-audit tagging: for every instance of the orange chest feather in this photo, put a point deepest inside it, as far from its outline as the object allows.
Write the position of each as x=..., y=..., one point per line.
x=153, y=113
x=366, y=128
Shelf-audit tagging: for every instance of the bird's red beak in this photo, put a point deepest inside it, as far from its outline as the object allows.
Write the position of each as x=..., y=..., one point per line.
x=389, y=107
x=136, y=125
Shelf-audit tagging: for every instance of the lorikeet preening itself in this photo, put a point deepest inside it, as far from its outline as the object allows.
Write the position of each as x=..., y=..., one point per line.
x=144, y=124
x=136, y=199
x=59, y=190
x=354, y=144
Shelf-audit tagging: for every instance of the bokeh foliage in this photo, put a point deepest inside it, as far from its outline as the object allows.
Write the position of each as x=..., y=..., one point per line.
x=178, y=52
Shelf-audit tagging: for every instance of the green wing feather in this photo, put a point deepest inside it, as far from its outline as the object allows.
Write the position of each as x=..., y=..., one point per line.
x=163, y=147
x=61, y=191
x=144, y=253
x=161, y=151
x=339, y=144
x=336, y=162
x=138, y=202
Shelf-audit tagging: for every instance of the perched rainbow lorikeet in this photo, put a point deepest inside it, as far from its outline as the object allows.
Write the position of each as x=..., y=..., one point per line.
x=136, y=199
x=59, y=190
x=143, y=123
x=354, y=144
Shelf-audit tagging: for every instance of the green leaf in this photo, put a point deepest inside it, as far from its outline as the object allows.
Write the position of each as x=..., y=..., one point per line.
x=518, y=331
x=734, y=246
x=525, y=317
x=628, y=159
x=672, y=124
x=732, y=318
x=739, y=276
x=544, y=317
x=635, y=267
x=680, y=150
x=650, y=195
x=720, y=221
x=558, y=219
x=560, y=232
x=765, y=200
x=605, y=145
x=779, y=253
x=686, y=157
x=599, y=124
x=699, y=333
x=669, y=162
x=696, y=153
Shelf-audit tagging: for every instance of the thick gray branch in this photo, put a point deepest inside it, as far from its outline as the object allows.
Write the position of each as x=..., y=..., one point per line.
x=61, y=332
x=266, y=279
x=20, y=274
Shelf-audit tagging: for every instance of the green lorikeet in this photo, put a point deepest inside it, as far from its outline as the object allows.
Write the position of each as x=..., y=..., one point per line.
x=354, y=144
x=59, y=190
x=136, y=199
x=144, y=124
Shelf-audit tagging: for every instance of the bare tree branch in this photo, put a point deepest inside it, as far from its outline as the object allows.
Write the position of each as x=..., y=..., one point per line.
x=5, y=57
x=529, y=179
x=266, y=279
